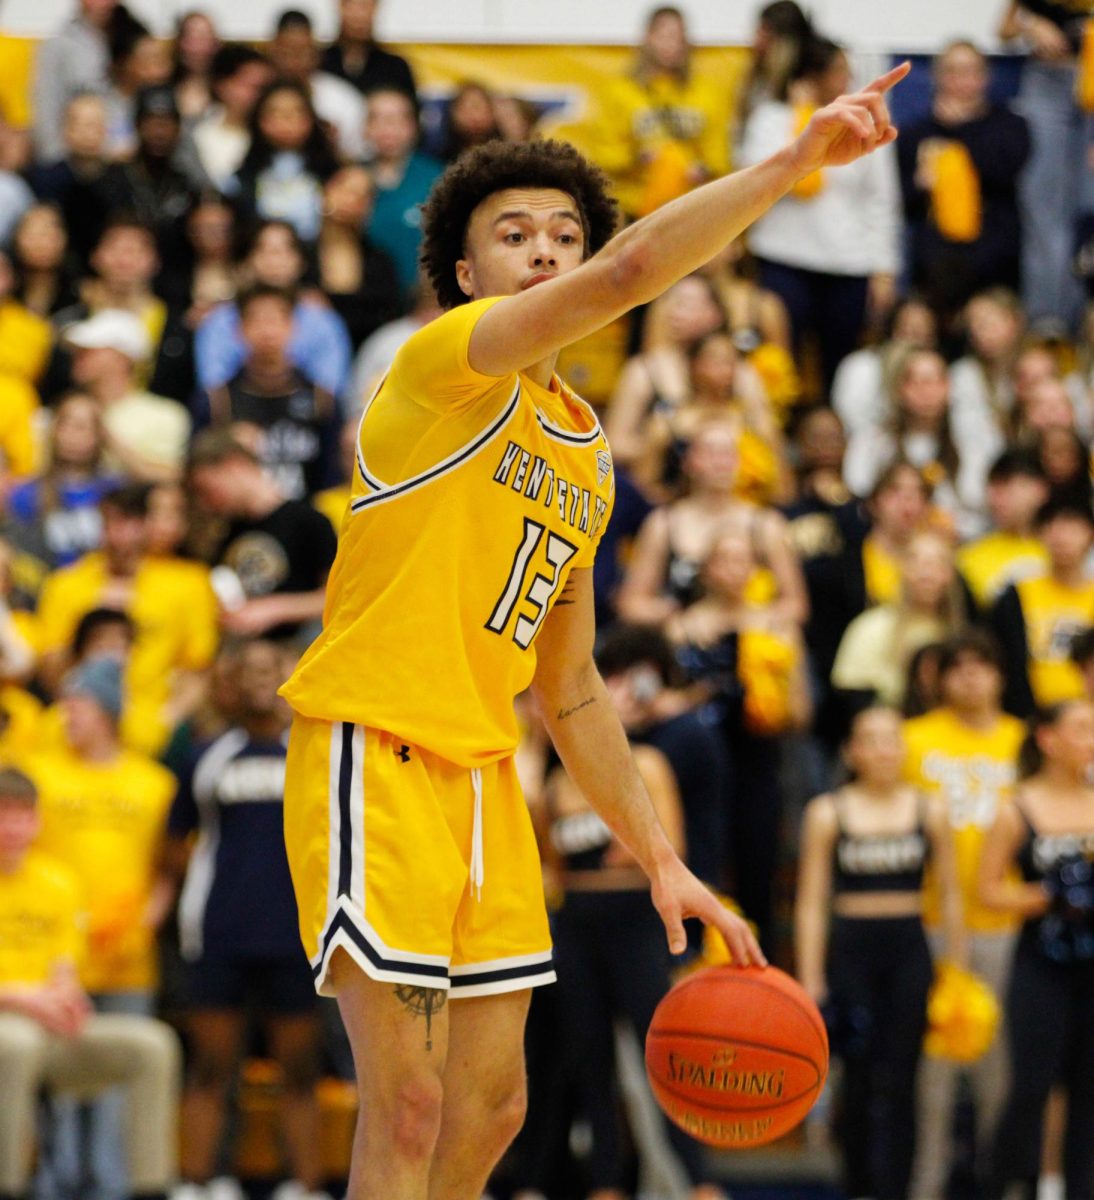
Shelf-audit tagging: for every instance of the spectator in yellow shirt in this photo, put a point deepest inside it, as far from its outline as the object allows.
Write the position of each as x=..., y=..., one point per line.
x=662, y=129
x=170, y=602
x=965, y=752
x=1017, y=488
x=25, y=337
x=1038, y=618
x=104, y=811
x=49, y=1035
x=18, y=453
x=103, y=814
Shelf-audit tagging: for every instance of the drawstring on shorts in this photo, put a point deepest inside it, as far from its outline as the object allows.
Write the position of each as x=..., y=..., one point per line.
x=478, y=861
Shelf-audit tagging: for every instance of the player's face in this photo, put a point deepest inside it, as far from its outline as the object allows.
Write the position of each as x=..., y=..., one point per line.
x=518, y=238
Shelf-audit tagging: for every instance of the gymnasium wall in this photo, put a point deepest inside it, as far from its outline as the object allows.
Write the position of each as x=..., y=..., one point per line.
x=879, y=25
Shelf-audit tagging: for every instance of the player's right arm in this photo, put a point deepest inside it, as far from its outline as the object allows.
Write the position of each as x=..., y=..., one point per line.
x=585, y=729
x=641, y=262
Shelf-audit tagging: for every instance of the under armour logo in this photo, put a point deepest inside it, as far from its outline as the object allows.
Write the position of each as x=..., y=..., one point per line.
x=402, y=754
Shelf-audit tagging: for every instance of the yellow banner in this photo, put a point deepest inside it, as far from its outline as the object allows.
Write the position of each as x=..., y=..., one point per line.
x=565, y=82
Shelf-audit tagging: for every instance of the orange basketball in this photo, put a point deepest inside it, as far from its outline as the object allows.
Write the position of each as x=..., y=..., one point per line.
x=737, y=1055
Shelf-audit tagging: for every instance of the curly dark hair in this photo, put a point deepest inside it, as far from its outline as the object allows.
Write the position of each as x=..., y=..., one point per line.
x=493, y=167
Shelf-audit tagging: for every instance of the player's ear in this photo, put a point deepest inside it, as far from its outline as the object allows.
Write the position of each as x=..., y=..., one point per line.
x=465, y=277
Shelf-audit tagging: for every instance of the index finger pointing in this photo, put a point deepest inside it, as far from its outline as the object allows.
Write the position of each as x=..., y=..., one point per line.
x=889, y=80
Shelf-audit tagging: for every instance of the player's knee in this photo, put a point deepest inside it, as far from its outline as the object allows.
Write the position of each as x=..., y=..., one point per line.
x=416, y=1118
x=508, y=1110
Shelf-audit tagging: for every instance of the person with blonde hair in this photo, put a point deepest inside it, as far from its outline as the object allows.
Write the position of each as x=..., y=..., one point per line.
x=878, y=645
x=663, y=575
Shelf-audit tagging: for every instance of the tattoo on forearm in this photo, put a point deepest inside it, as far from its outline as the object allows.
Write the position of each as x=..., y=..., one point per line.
x=422, y=1002
x=566, y=596
x=563, y=713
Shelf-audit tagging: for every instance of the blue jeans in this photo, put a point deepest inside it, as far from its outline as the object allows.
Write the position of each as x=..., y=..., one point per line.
x=88, y=1160
x=1054, y=189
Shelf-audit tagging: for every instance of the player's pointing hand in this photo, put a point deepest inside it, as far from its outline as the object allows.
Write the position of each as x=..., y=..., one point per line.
x=848, y=128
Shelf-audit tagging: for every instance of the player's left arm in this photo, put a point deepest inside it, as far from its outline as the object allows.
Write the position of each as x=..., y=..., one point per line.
x=589, y=738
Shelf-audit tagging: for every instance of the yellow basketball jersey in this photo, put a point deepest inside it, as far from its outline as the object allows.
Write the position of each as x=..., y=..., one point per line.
x=972, y=771
x=1055, y=615
x=473, y=499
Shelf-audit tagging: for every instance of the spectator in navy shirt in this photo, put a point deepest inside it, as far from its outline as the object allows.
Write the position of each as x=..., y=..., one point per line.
x=238, y=924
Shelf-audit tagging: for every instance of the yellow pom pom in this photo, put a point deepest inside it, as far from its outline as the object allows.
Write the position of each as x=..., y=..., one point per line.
x=765, y=664
x=962, y=1015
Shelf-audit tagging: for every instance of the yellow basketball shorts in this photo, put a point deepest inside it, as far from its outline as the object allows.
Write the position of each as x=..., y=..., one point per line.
x=422, y=871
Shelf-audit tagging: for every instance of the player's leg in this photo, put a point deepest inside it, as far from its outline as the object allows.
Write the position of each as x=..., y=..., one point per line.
x=216, y=1039
x=485, y=1094
x=501, y=949
x=399, y=1037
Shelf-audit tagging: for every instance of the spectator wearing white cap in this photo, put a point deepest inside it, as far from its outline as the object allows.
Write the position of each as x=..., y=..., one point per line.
x=146, y=434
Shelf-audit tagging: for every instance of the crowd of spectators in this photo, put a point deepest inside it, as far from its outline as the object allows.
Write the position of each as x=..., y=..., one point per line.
x=851, y=556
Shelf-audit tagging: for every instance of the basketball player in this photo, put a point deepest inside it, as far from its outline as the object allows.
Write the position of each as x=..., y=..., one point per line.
x=463, y=576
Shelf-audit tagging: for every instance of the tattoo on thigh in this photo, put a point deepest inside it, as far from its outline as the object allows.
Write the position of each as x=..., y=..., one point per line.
x=422, y=1002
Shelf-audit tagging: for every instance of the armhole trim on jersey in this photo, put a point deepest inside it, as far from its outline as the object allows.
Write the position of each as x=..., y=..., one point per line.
x=366, y=475
x=384, y=492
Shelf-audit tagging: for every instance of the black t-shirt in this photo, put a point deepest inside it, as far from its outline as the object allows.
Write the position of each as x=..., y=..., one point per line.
x=290, y=550
x=299, y=424
x=381, y=70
